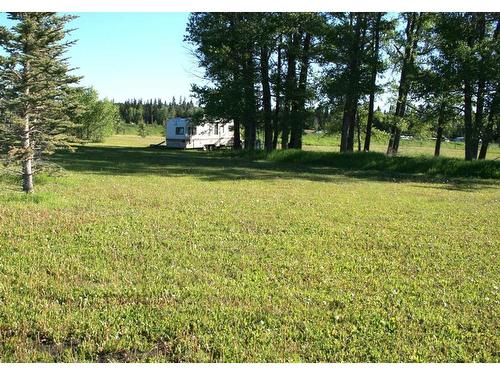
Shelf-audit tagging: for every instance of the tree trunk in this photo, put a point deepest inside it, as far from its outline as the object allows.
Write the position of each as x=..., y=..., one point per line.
x=488, y=133
x=26, y=142
x=237, y=136
x=484, y=149
x=276, y=118
x=478, y=121
x=469, y=149
x=266, y=98
x=472, y=128
x=237, y=110
x=290, y=90
x=352, y=97
x=376, y=47
x=486, y=137
x=439, y=131
x=358, y=128
x=412, y=32
x=439, y=135
x=299, y=122
x=345, y=124
x=249, y=115
x=394, y=141
x=352, y=127
x=27, y=157
x=494, y=111
x=284, y=127
x=346, y=120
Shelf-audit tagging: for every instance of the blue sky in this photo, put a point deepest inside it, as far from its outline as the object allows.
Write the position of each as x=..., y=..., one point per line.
x=141, y=55
x=132, y=55
x=136, y=55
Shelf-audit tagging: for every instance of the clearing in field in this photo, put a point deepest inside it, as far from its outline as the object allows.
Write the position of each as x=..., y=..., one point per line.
x=159, y=255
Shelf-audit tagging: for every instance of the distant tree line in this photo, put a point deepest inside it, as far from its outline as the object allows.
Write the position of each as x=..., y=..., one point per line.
x=154, y=111
x=278, y=73
x=282, y=72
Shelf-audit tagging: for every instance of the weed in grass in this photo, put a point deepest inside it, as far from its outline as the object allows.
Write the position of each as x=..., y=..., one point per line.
x=160, y=255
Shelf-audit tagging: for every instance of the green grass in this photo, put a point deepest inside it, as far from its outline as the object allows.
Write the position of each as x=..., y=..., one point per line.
x=139, y=254
x=130, y=140
x=133, y=129
x=378, y=165
x=414, y=147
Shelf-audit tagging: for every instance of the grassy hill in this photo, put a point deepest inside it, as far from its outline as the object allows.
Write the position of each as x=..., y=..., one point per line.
x=136, y=254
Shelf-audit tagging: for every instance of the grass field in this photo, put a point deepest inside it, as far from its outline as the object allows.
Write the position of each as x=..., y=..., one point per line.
x=414, y=147
x=133, y=129
x=136, y=254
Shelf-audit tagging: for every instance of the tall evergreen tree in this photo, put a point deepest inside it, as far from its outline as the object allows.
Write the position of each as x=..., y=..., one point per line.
x=347, y=77
x=465, y=43
x=376, y=26
x=409, y=43
x=433, y=86
x=35, y=88
x=220, y=50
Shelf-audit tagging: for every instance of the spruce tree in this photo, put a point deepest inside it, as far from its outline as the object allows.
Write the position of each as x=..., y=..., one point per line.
x=408, y=51
x=35, y=89
x=468, y=45
x=142, y=128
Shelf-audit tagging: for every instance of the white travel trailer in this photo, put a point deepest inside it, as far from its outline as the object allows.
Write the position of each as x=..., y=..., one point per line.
x=179, y=133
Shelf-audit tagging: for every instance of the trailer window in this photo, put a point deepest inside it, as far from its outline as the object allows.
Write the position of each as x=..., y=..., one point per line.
x=192, y=130
x=179, y=130
x=216, y=129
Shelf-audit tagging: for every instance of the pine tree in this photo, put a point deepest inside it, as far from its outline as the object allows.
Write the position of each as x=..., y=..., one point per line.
x=375, y=64
x=35, y=88
x=224, y=48
x=408, y=51
x=467, y=43
x=348, y=68
x=142, y=128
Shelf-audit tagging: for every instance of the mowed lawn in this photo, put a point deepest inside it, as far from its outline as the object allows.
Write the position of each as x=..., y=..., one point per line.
x=136, y=254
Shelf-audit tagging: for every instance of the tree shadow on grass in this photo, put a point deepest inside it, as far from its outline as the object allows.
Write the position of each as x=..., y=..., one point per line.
x=308, y=165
